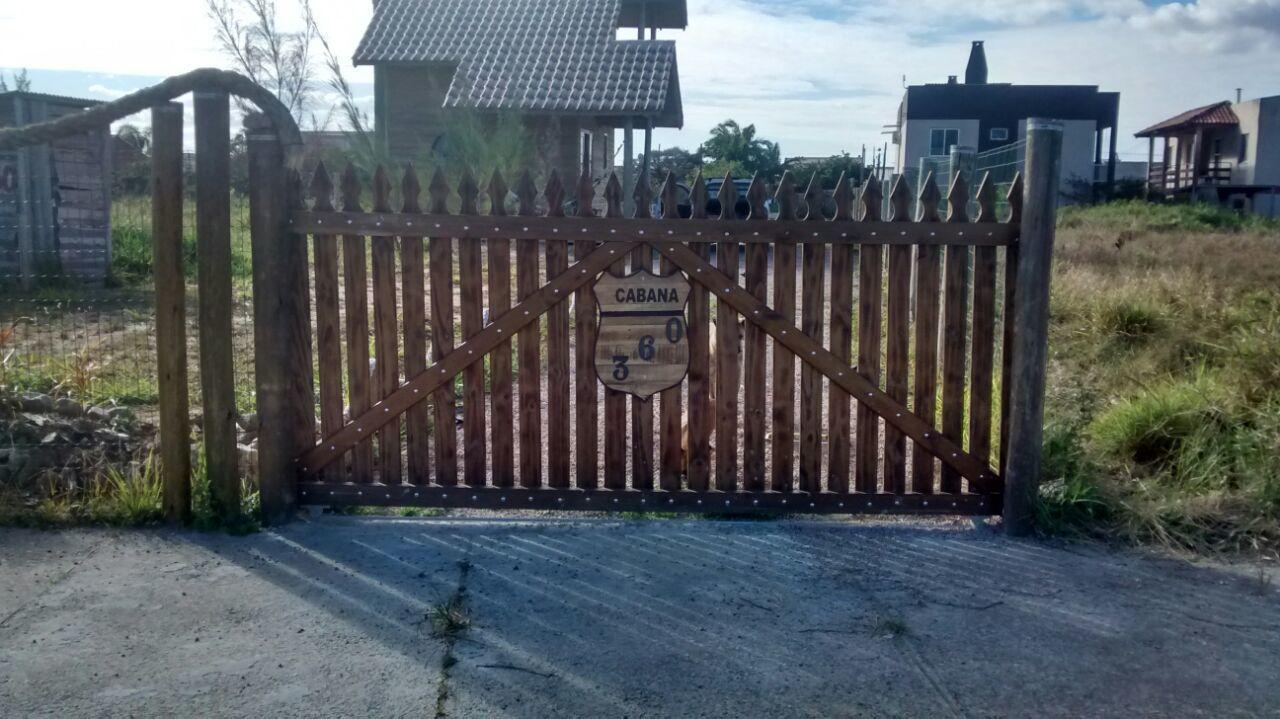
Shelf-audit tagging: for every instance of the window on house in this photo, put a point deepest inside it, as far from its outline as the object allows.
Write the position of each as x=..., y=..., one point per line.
x=1244, y=148
x=999, y=134
x=586, y=149
x=942, y=139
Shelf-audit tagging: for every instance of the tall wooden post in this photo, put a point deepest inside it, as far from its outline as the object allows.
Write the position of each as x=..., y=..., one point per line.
x=213, y=243
x=171, y=320
x=628, y=170
x=281, y=334
x=1031, y=317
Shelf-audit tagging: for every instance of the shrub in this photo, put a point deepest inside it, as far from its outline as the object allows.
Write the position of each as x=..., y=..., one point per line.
x=1154, y=427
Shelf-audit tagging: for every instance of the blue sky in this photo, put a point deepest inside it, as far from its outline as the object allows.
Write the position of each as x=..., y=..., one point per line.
x=819, y=76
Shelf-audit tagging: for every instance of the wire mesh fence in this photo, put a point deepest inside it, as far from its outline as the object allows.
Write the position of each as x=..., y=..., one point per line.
x=77, y=311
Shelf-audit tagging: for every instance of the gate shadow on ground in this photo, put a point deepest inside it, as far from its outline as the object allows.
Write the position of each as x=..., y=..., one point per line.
x=627, y=618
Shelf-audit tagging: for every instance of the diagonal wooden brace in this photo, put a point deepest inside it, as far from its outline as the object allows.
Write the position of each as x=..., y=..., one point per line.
x=473, y=350
x=753, y=310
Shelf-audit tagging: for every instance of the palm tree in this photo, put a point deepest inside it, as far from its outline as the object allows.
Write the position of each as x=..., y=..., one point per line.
x=736, y=149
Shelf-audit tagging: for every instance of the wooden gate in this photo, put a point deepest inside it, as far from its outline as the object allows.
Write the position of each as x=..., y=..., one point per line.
x=796, y=424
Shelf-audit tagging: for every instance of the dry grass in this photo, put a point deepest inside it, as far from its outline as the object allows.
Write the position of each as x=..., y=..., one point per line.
x=1164, y=397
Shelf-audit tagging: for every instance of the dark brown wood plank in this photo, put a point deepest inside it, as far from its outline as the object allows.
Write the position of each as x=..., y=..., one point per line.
x=615, y=402
x=170, y=298
x=471, y=301
x=557, y=261
x=784, y=362
x=671, y=401
x=386, y=348
x=727, y=347
x=442, y=337
x=213, y=242
x=328, y=316
x=586, y=385
x=812, y=301
x=528, y=279
x=417, y=426
x=755, y=353
x=642, y=409
x=1011, y=260
x=625, y=229
x=838, y=428
x=897, y=342
x=870, y=323
x=982, y=359
x=699, y=421
x=355, y=287
x=955, y=324
x=928, y=275
x=500, y=393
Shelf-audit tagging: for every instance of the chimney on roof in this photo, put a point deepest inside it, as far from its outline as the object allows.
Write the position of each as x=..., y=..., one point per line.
x=976, y=71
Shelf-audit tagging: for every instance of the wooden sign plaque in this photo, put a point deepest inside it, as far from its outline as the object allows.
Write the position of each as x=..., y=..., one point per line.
x=643, y=344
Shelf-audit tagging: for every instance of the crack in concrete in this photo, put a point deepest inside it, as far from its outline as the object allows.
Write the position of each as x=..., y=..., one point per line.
x=457, y=601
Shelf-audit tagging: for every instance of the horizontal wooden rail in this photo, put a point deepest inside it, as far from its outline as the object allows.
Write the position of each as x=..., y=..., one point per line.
x=708, y=502
x=598, y=229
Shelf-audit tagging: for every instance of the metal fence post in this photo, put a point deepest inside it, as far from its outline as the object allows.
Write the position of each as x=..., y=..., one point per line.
x=1031, y=318
x=171, y=344
x=282, y=362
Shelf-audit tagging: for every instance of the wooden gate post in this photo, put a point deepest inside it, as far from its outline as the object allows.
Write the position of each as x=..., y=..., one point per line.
x=1031, y=317
x=281, y=334
x=171, y=342
x=213, y=240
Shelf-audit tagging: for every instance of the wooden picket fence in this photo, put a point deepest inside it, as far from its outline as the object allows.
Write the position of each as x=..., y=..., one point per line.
x=920, y=439
x=801, y=421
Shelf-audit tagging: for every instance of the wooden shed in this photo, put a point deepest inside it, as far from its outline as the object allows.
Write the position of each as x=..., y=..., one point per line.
x=55, y=200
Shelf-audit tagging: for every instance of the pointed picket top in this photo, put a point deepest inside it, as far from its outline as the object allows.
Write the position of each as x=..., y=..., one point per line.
x=986, y=197
x=870, y=199
x=843, y=197
x=381, y=190
x=643, y=196
x=439, y=191
x=527, y=193
x=613, y=196
x=813, y=198
x=350, y=189
x=586, y=193
x=785, y=197
x=295, y=199
x=497, y=194
x=554, y=192
x=929, y=197
x=468, y=193
x=1015, y=199
x=899, y=200
x=322, y=188
x=958, y=199
x=411, y=190
x=670, y=198
x=757, y=197
x=728, y=197
x=698, y=198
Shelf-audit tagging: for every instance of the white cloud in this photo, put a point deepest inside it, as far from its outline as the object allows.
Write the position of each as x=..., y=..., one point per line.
x=817, y=75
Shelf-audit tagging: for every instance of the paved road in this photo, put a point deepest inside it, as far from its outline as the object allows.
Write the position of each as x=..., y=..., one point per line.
x=598, y=618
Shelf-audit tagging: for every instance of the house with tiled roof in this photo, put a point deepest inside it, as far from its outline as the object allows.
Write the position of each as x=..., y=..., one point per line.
x=559, y=64
x=1226, y=152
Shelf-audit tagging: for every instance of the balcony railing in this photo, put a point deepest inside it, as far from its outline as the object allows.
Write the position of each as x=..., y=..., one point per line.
x=1177, y=178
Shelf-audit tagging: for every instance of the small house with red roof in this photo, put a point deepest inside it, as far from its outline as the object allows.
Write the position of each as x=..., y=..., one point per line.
x=1225, y=152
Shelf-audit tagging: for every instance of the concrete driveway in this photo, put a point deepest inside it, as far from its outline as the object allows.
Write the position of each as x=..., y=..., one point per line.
x=611, y=618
